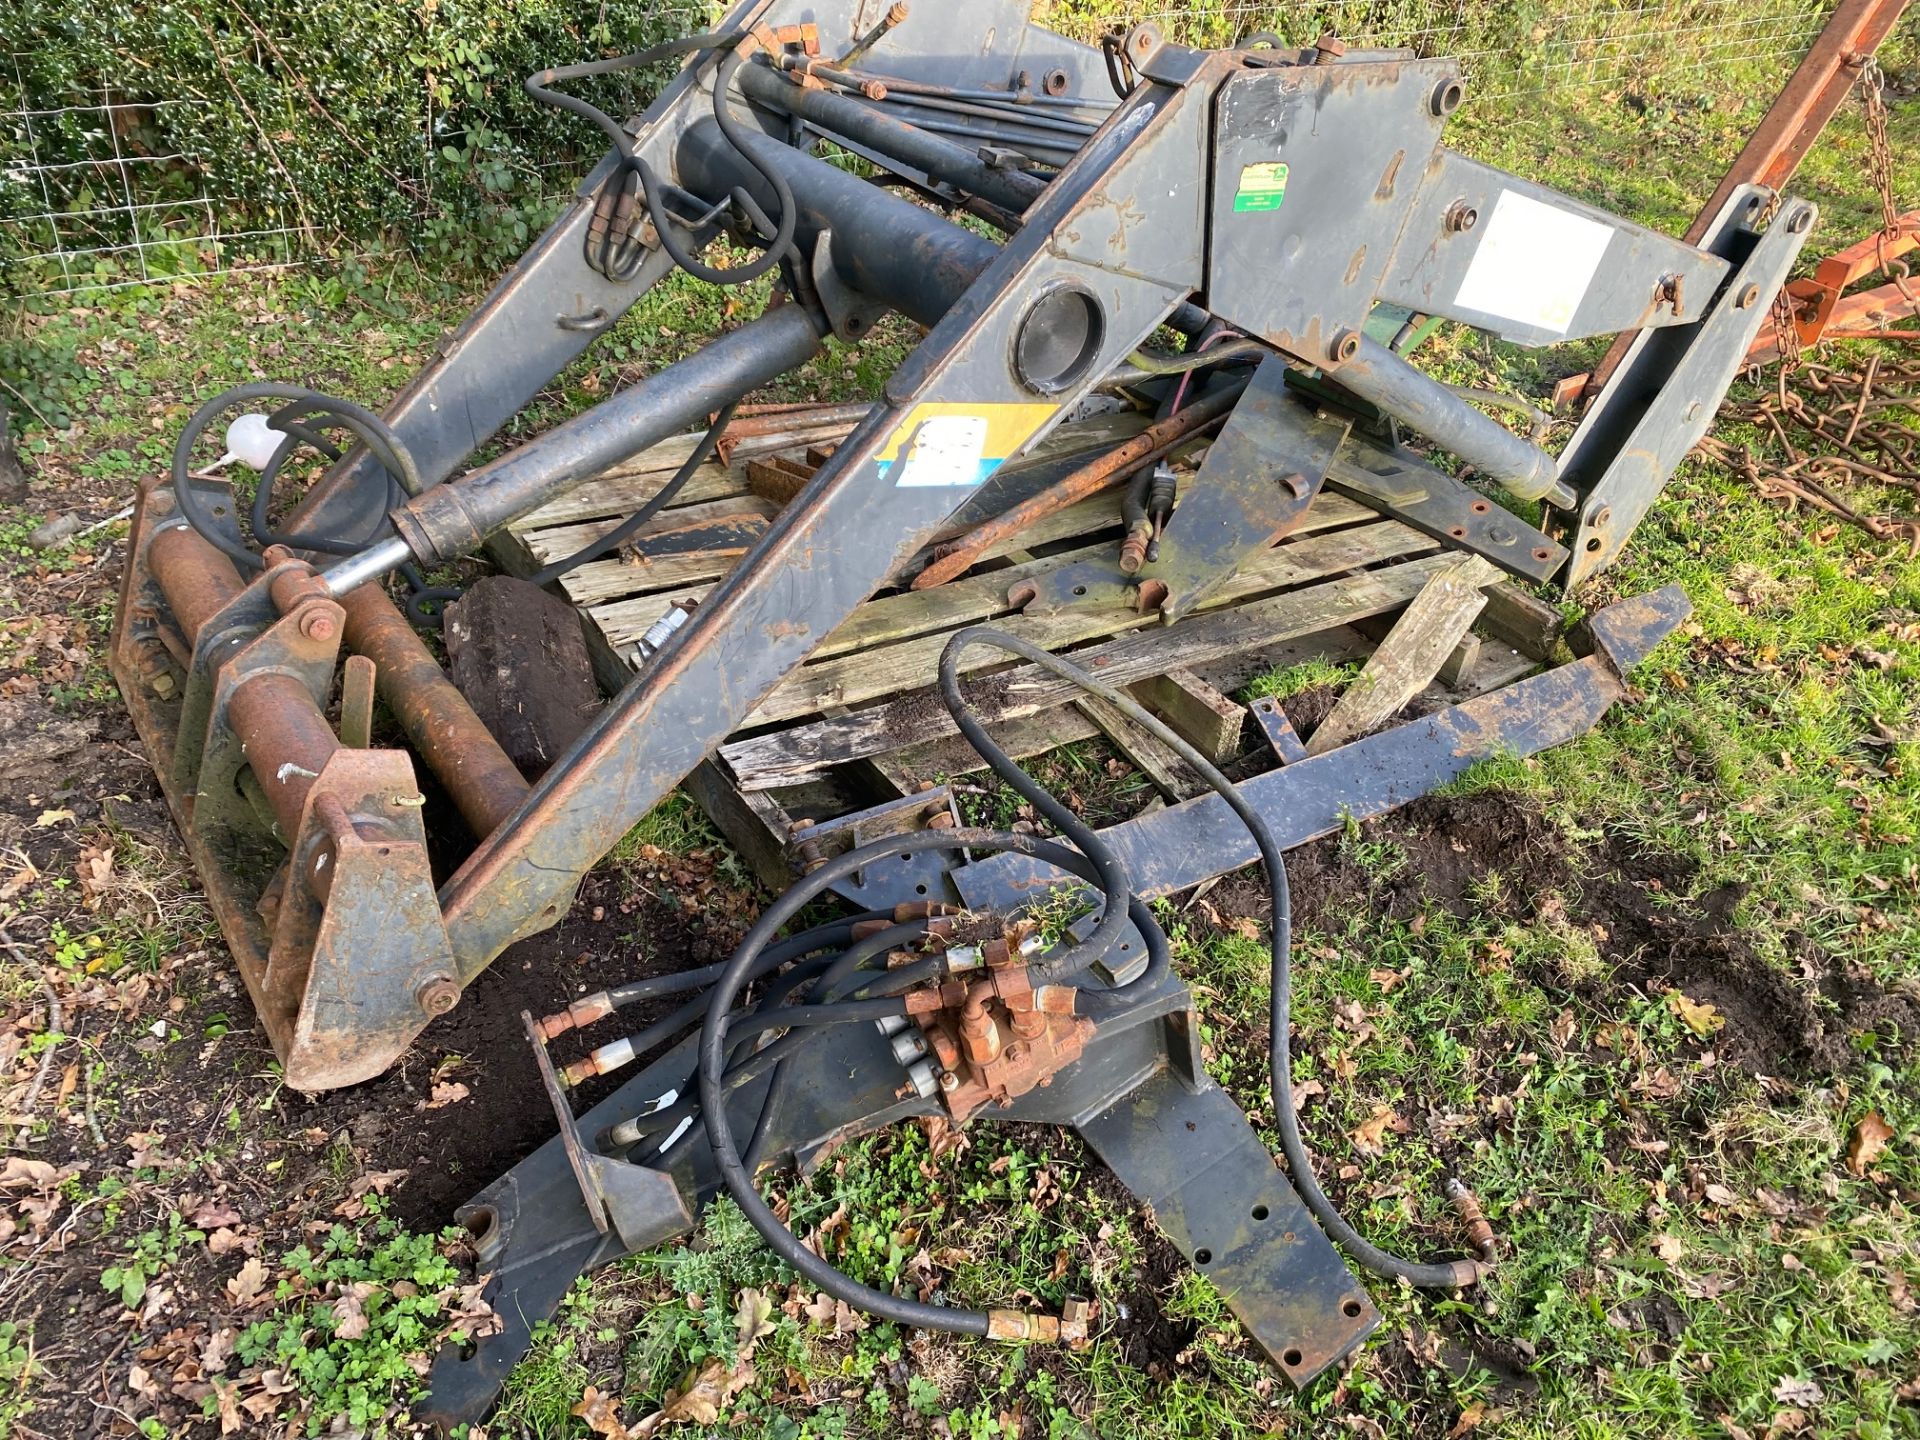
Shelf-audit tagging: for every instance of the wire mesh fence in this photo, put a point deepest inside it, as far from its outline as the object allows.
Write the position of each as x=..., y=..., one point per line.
x=116, y=186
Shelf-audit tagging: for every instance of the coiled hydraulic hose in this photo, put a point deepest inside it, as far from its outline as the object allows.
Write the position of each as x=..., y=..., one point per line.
x=835, y=985
x=636, y=180
x=304, y=404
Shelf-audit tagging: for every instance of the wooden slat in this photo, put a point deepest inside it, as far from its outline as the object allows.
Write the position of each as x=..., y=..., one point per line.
x=1195, y=711
x=783, y=757
x=1171, y=776
x=553, y=544
x=620, y=489
x=1524, y=621
x=869, y=674
x=1411, y=655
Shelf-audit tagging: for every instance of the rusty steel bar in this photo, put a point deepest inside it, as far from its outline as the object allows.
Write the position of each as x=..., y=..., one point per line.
x=455, y=743
x=1792, y=123
x=197, y=580
x=958, y=556
x=288, y=742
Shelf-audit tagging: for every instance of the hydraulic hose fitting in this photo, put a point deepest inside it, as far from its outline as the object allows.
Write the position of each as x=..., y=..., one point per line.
x=577, y=1016
x=1015, y=1326
x=1479, y=1230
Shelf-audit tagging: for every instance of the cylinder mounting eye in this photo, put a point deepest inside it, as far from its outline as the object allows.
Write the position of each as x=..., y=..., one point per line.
x=1058, y=339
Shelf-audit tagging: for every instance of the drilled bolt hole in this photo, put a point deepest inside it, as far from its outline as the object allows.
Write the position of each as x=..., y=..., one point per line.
x=1351, y=1309
x=1203, y=1257
x=1259, y=1212
x=1292, y=1359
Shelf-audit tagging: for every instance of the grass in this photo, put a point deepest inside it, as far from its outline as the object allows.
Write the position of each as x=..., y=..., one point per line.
x=1689, y=1251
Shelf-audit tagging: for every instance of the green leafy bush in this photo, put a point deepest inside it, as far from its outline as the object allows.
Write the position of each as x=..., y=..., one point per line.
x=337, y=119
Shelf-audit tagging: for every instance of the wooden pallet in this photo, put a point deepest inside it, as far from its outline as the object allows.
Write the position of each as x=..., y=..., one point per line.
x=856, y=745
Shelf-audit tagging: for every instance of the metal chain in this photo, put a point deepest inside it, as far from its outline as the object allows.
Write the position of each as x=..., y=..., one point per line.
x=1873, y=93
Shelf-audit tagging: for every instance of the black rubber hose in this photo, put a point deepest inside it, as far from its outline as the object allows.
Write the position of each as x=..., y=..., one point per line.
x=656, y=502
x=821, y=937
x=1114, y=881
x=1371, y=1257
x=715, y=1082
x=374, y=432
x=539, y=84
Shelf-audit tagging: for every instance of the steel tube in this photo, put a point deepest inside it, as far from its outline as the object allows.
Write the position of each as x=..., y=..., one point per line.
x=454, y=518
x=455, y=743
x=1384, y=379
x=958, y=166
x=288, y=742
x=197, y=580
x=889, y=249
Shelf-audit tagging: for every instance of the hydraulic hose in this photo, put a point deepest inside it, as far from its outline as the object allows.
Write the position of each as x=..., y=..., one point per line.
x=656, y=502
x=1441, y=1276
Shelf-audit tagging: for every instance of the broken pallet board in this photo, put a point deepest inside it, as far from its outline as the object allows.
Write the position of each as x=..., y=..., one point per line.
x=859, y=726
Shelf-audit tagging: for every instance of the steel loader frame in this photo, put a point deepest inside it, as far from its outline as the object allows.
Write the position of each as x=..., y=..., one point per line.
x=1304, y=200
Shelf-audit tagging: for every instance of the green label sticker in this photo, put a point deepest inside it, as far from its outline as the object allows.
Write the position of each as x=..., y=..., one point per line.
x=1263, y=186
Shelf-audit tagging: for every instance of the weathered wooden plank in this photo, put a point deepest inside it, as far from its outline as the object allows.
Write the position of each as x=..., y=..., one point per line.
x=1411, y=655
x=754, y=824
x=951, y=755
x=564, y=540
x=1169, y=774
x=869, y=674
x=1526, y=622
x=1195, y=711
x=620, y=489
x=1457, y=669
x=781, y=757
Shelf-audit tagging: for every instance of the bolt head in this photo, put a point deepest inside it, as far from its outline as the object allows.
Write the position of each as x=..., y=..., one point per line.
x=438, y=995
x=317, y=625
x=949, y=1080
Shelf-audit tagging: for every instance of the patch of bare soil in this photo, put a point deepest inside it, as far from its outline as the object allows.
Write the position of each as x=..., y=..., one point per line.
x=1633, y=900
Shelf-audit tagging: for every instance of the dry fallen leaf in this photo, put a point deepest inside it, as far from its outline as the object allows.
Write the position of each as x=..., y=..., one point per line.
x=699, y=1398
x=1870, y=1137
x=1470, y=1419
x=1370, y=1138
x=1668, y=1248
x=602, y=1414
x=752, y=1318
x=1698, y=1016
x=350, y=1312
x=245, y=1287
x=445, y=1093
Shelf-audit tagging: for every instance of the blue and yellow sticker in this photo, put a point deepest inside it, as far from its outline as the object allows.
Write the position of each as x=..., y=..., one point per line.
x=1263, y=185
x=950, y=442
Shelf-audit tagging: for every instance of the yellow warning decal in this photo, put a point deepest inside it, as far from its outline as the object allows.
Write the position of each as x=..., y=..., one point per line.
x=952, y=442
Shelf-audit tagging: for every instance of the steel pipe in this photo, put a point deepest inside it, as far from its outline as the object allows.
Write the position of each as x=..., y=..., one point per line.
x=454, y=518
x=1011, y=190
x=1382, y=378
x=287, y=741
x=891, y=250
x=196, y=579
x=442, y=726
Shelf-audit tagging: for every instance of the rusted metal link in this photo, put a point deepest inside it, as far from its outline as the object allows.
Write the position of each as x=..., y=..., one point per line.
x=442, y=726
x=958, y=556
x=197, y=580
x=288, y=741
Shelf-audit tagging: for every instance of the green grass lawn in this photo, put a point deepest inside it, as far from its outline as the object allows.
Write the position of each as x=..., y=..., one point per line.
x=1657, y=1039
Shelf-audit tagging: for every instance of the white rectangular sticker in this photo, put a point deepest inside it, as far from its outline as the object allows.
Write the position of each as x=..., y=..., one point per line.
x=1533, y=263
x=945, y=450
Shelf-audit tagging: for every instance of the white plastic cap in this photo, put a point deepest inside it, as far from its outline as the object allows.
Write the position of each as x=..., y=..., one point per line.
x=252, y=441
